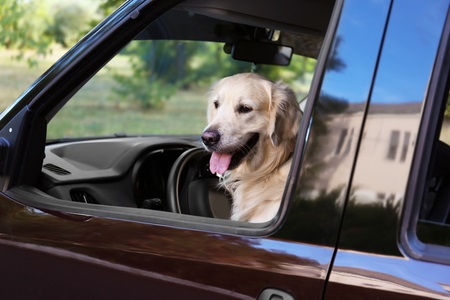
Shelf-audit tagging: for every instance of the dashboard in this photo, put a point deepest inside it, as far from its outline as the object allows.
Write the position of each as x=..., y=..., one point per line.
x=128, y=172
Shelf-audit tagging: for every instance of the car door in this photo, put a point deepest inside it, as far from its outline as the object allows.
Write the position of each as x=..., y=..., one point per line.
x=378, y=257
x=53, y=249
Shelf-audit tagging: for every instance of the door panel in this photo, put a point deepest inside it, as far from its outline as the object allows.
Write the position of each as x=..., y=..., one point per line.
x=110, y=254
x=376, y=268
x=78, y=256
x=337, y=119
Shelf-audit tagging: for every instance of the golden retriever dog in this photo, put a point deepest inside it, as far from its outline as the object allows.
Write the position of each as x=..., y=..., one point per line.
x=251, y=132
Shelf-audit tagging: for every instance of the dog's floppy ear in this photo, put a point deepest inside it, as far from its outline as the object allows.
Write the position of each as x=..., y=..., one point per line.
x=285, y=114
x=212, y=94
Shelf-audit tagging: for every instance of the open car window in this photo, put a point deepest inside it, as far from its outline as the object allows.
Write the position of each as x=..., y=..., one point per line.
x=128, y=143
x=427, y=219
x=158, y=84
x=433, y=227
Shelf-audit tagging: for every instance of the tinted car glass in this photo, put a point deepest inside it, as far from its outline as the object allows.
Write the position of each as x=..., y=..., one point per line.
x=434, y=219
x=425, y=227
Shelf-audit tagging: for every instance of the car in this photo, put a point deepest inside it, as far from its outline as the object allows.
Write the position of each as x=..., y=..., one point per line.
x=106, y=191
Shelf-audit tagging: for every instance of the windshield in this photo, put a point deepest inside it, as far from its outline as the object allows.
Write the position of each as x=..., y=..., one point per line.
x=158, y=83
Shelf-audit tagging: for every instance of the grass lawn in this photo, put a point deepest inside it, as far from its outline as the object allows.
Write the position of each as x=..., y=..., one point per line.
x=184, y=113
x=16, y=76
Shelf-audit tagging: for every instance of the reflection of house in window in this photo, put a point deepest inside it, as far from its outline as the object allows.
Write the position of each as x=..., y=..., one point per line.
x=341, y=141
x=406, y=139
x=349, y=143
x=393, y=144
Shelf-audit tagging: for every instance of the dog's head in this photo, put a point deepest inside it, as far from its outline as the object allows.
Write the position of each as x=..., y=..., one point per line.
x=246, y=114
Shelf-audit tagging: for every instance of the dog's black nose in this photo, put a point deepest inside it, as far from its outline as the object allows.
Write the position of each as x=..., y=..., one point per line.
x=210, y=137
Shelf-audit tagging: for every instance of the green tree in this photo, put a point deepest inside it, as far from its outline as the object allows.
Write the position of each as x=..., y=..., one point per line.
x=23, y=26
x=70, y=21
x=106, y=7
x=32, y=25
x=160, y=68
x=299, y=66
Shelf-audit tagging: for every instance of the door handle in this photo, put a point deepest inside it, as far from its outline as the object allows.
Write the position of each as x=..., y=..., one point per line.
x=274, y=294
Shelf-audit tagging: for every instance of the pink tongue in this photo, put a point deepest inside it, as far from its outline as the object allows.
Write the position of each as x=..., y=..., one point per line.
x=219, y=162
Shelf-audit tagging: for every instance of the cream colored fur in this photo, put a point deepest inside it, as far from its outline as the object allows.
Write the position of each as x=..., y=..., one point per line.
x=257, y=183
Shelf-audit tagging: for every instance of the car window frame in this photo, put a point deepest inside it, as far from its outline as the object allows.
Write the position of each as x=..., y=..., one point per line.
x=44, y=110
x=435, y=98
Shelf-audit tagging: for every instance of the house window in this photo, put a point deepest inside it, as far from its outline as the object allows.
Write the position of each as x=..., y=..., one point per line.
x=349, y=143
x=406, y=139
x=341, y=141
x=393, y=144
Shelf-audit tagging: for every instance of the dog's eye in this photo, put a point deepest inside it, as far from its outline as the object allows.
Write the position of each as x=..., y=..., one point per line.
x=244, y=109
x=216, y=104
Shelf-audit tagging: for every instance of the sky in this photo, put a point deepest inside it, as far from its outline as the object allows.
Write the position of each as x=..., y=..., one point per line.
x=407, y=58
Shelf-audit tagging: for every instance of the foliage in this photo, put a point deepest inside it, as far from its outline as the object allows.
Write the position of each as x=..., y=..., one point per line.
x=160, y=68
x=298, y=68
x=363, y=230
x=335, y=63
x=23, y=26
x=316, y=220
x=70, y=21
x=152, y=80
x=370, y=227
x=157, y=69
x=35, y=26
x=106, y=7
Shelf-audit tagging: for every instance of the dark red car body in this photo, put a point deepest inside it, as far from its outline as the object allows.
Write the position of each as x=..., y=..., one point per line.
x=351, y=226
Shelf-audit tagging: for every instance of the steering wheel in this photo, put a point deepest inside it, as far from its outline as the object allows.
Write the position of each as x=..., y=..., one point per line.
x=193, y=190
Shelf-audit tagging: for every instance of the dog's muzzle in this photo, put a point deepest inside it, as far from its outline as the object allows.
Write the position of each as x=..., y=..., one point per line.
x=226, y=160
x=210, y=137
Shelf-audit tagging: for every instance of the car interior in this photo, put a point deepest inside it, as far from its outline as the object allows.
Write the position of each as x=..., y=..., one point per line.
x=436, y=201
x=169, y=172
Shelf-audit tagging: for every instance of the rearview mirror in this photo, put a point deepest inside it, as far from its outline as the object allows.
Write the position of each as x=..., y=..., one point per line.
x=261, y=53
